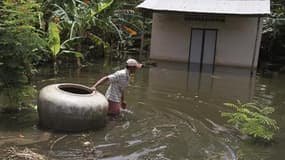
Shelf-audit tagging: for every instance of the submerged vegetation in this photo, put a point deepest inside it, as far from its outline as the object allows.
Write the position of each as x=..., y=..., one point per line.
x=252, y=120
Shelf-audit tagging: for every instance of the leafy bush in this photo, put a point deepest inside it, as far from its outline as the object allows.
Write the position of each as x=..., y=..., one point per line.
x=19, y=47
x=252, y=120
x=273, y=37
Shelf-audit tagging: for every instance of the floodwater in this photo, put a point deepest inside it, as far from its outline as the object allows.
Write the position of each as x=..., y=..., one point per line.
x=174, y=114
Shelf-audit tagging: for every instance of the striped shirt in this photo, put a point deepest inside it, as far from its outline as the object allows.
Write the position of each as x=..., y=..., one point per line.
x=118, y=82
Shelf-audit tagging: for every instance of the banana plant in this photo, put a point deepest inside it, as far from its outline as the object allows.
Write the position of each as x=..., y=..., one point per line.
x=82, y=18
x=56, y=47
x=102, y=22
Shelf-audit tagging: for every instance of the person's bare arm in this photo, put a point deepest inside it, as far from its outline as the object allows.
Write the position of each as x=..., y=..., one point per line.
x=99, y=82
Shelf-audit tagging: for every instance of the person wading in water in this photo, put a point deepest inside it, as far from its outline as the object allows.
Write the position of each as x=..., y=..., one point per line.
x=118, y=82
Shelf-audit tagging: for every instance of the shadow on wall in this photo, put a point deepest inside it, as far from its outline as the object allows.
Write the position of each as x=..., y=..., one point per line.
x=225, y=82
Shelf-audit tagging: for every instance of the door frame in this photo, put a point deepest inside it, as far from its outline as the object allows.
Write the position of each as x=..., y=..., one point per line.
x=202, y=49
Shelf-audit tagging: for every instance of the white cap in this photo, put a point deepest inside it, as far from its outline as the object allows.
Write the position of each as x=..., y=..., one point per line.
x=133, y=63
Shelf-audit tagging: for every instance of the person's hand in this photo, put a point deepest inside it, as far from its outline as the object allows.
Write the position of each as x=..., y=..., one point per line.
x=124, y=105
x=93, y=89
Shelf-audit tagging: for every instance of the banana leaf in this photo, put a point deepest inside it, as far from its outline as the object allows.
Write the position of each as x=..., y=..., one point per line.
x=54, y=38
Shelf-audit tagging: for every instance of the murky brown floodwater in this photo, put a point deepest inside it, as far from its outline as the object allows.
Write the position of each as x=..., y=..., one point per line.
x=175, y=115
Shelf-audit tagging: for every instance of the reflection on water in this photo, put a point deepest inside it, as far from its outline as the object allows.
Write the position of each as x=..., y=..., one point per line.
x=173, y=114
x=225, y=82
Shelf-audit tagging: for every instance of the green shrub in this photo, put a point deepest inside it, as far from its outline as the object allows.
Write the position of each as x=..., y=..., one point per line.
x=20, y=45
x=252, y=120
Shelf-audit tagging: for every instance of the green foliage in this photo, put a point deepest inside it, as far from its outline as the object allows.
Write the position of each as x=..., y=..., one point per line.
x=273, y=38
x=18, y=97
x=252, y=120
x=102, y=5
x=135, y=27
x=79, y=18
x=98, y=41
x=81, y=25
x=20, y=44
x=106, y=25
x=55, y=46
x=53, y=39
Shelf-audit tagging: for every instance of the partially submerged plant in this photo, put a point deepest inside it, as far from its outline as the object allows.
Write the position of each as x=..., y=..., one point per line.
x=56, y=47
x=252, y=120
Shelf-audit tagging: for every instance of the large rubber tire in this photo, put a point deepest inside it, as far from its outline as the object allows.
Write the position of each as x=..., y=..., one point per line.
x=71, y=107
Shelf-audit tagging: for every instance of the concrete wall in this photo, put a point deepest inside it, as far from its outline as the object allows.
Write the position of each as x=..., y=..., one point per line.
x=236, y=38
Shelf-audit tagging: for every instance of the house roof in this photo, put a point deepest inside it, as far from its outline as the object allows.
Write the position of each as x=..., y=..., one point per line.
x=239, y=7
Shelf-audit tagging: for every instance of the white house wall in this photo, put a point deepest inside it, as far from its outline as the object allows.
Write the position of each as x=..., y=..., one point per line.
x=236, y=38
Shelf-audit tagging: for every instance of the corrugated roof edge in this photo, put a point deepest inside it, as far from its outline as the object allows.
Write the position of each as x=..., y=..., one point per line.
x=169, y=6
x=175, y=11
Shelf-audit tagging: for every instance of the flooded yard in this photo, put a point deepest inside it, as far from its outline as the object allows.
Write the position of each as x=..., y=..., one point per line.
x=173, y=114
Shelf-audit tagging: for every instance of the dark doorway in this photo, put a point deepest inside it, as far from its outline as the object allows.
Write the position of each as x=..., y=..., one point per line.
x=202, y=50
